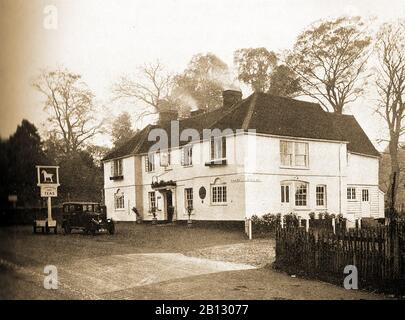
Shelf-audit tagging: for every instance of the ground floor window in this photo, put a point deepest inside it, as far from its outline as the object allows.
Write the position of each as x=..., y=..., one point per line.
x=218, y=192
x=152, y=201
x=351, y=193
x=188, y=196
x=364, y=195
x=119, y=199
x=301, y=194
x=320, y=195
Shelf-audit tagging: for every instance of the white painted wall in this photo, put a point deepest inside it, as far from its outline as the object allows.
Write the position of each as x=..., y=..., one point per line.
x=253, y=177
x=126, y=185
x=198, y=175
x=362, y=173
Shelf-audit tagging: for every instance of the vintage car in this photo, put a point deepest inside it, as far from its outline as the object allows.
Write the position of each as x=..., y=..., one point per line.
x=89, y=217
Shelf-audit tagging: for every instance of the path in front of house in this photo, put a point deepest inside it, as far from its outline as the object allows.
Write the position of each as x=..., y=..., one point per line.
x=112, y=267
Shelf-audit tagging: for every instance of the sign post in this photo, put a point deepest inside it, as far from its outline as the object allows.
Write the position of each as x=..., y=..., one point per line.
x=48, y=181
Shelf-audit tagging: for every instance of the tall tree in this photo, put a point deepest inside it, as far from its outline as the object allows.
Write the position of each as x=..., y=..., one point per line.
x=203, y=81
x=23, y=152
x=284, y=82
x=71, y=108
x=121, y=128
x=255, y=66
x=150, y=86
x=330, y=58
x=390, y=47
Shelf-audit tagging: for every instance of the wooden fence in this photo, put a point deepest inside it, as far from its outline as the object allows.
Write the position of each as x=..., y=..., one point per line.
x=378, y=254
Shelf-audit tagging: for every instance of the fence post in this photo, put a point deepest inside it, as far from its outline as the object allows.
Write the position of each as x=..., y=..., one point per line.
x=250, y=228
x=334, y=225
x=282, y=222
x=307, y=225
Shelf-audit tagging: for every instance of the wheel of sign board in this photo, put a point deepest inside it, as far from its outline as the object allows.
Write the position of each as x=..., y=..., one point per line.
x=55, y=230
x=47, y=229
x=34, y=226
x=42, y=229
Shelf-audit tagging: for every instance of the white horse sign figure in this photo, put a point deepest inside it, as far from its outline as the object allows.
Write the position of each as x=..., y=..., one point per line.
x=48, y=175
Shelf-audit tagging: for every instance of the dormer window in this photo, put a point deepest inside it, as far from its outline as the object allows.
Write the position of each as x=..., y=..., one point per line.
x=187, y=156
x=116, y=170
x=150, y=162
x=164, y=158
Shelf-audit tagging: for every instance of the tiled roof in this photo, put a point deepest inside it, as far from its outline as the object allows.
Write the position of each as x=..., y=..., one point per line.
x=267, y=114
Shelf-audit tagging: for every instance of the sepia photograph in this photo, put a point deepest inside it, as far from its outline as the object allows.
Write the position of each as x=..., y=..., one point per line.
x=198, y=155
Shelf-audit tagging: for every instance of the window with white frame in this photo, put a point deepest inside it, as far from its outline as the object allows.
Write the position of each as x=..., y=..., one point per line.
x=152, y=201
x=218, y=148
x=116, y=168
x=188, y=197
x=320, y=195
x=164, y=159
x=285, y=193
x=119, y=200
x=301, y=194
x=218, y=192
x=351, y=193
x=187, y=156
x=150, y=162
x=364, y=195
x=294, y=154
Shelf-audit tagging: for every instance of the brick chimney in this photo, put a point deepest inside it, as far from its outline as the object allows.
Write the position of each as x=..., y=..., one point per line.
x=231, y=97
x=168, y=115
x=167, y=111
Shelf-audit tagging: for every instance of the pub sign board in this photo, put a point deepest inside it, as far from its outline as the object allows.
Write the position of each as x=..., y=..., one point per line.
x=48, y=175
x=49, y=191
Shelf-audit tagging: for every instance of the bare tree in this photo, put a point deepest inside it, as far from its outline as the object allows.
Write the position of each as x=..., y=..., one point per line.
x=70, y=105
x=151, y=86
x=329, y=58
x=390, y=48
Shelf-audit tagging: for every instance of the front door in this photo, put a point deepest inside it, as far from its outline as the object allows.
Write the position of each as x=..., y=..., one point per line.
x=169, y=206
x=285, y=198
x=365, y=204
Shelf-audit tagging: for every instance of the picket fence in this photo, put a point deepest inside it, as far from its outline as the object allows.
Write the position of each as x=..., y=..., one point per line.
x=378, y=254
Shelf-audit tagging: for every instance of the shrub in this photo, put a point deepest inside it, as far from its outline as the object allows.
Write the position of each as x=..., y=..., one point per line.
x=265, y=225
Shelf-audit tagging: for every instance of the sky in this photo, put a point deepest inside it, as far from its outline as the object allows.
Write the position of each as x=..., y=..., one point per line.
x=105, y=39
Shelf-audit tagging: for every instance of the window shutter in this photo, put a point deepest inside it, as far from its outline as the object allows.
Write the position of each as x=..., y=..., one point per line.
x=223, y=147
x=190, y=155
x=112, y=168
